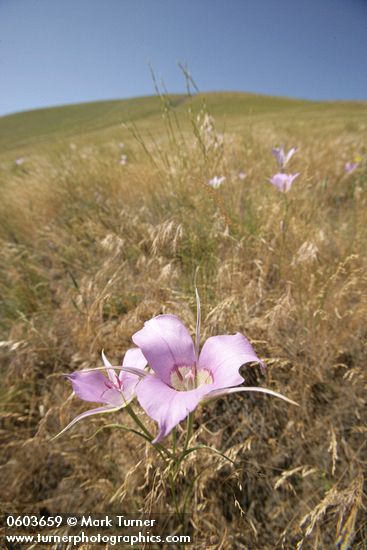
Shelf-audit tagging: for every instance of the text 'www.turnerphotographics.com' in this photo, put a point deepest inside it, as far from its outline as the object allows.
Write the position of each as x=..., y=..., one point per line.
x=78, y=529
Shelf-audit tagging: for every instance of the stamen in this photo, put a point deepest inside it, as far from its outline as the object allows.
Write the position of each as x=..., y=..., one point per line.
x=187, y=378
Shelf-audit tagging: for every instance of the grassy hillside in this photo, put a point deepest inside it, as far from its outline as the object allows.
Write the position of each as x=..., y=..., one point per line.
x=104, y=118
x=92, y=247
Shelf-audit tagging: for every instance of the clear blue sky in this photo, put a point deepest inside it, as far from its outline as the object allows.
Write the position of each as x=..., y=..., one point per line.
x=66, y=51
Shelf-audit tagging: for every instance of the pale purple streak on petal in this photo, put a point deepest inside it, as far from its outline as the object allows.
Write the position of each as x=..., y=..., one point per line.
x=220, y=393
x=166, y=343
x=165, y=405
x=224, y=355
x=99, y=410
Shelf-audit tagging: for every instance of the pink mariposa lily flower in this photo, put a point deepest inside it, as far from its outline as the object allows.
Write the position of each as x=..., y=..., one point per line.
x=350, y=167
x=182, y=377
x=216, y=182
x=282, y=157
x=283, y=181
x=114, y=391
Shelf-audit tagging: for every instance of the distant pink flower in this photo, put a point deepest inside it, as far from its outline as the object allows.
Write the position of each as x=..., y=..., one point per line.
x=283, y=181
x=282, y=157
x=182, y=377
x=19, y=161
x=123, y=160
x=350, y=167
x=114, y=391
x=241, y=175
x=216, y=181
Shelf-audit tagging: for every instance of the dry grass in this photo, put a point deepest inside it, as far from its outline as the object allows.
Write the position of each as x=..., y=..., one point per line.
x=91, y=249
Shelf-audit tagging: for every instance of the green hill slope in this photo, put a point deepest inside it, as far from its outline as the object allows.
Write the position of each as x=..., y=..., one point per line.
x=25, y=129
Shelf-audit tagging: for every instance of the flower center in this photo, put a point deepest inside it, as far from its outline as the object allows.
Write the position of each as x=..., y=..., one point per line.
x=187, y=378
x=117, y=384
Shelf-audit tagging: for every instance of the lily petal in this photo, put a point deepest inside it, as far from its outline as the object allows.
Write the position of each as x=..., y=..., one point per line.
x=279, y=155
x=283, y=181
x=109, y=368
x=93, y=386
x=224, y=355
x=166, y=343
x=165, y=405
x=130, y=376
x=220, y=393
x=290, y=154
x=134, y=358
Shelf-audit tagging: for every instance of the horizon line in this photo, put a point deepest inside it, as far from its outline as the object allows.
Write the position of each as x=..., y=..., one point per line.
x=184, y=94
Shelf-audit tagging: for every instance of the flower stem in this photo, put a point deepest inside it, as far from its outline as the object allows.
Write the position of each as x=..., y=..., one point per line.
x=190, y=421
x=173, y=493
x=174, y=443
x=137, y=420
